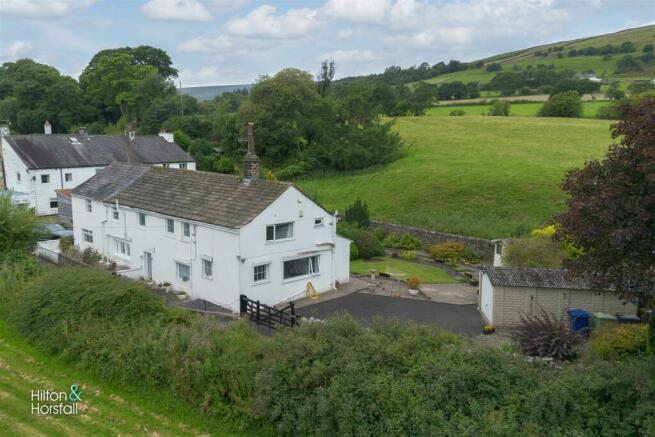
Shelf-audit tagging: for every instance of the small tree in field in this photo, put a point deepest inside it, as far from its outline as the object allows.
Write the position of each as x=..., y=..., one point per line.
x=500, y=108
x=565, y=104
x=611, y=209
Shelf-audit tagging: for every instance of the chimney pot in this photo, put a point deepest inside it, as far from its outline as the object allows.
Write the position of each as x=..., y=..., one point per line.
x=47, y=128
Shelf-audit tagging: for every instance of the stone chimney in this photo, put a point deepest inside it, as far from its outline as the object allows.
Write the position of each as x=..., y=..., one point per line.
x=83, y=130
x=168, y=136
x=251, y=161
x=131, y=135
x=47, y=128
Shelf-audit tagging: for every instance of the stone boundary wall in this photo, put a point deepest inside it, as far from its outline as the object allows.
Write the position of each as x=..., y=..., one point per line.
x=485, y=248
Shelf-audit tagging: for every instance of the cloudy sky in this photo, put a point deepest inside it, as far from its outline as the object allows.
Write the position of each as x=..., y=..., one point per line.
x=233, y=41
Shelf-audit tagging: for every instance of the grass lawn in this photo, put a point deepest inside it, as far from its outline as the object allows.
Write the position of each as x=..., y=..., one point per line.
x=425, y=273
x=589, y=109
x=490, y=177
x=104, y=410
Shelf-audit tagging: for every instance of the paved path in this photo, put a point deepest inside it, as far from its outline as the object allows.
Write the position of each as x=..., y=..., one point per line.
x=458, y=294
x=462, y=319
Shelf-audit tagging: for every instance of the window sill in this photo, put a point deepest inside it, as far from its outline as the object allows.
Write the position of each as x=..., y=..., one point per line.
x=282, y=240
x=208, y=278
x=267, y=281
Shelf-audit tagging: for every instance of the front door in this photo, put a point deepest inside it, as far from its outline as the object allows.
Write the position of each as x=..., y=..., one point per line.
x=147, y=265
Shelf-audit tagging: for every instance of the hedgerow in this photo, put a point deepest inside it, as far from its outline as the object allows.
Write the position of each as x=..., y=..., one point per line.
x=336, y=378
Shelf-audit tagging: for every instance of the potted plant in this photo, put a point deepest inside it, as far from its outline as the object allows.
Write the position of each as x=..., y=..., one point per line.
x=413, y=284
x=488, y=329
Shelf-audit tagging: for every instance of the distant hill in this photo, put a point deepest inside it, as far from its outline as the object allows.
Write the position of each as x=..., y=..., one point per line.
x=558, y=55
x=209, y=92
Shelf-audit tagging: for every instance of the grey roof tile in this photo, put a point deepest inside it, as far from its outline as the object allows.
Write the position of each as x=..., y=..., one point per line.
x=213, y=198
x=535, y=278
x=59, y=151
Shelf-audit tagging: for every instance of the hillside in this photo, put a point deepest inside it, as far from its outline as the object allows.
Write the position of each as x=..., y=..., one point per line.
x=599, y=64
x=209, y=92
x=483, y=176
x=104, y=410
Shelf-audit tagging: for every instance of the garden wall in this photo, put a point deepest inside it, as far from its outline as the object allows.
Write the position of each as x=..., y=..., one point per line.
x=485, y=248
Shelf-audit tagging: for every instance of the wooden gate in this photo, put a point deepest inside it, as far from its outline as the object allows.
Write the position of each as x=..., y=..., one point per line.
x=265, y=315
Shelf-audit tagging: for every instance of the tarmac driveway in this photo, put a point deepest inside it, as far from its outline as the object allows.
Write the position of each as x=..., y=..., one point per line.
x=462, y=319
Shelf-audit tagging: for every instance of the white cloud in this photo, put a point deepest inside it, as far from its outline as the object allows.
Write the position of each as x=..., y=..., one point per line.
x=262, y=22
x=41, y=8
x=347, y=56
x=224, y=44
x=203, y=76
x=358, y=11
x=182, y=10
x=229, y=5
x=15, y=49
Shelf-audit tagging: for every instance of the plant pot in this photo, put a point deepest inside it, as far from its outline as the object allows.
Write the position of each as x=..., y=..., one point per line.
x=412, y=292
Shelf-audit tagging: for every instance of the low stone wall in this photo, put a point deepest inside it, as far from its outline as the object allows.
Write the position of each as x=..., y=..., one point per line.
x=485, y=248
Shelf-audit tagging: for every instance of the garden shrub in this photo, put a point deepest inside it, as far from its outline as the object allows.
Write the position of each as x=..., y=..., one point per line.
x=65, y=244
x=453, y=252
x=91, y=256
x=500, y=108
x=408, y=255
x=545, y=335
x=413, y=282
x=354, y=251
x=404, y=241
x=619, y=341
x=457, y=113
x=379, y=234
x=367, y=245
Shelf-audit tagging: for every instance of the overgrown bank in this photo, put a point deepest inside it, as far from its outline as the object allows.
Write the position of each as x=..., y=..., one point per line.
x=333, y=378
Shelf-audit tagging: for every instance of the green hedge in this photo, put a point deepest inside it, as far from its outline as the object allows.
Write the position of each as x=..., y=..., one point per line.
x=336, y=378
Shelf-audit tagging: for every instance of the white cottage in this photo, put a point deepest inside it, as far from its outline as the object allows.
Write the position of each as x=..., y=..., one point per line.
x=211, y=235
x=39, y=164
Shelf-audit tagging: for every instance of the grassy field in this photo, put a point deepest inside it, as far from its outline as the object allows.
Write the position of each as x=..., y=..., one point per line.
x=104, y=410
x=425, y=273
x=519, y=109
x=490, y=177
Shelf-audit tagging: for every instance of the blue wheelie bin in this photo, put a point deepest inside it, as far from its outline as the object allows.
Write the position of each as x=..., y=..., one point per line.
x=579, y=320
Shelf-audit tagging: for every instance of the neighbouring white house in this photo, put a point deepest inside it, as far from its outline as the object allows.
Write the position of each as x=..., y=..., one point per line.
x=37, y=165
x=507, y=292
x=213, y=236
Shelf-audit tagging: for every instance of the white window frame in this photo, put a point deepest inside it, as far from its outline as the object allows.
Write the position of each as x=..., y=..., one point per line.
x=87, y=235
x=68, y=177
x=121, y=248
x=89, y=206
x=186, y=230
x=169, y=229
x=179, y=279
x=143, y=222
x=313, y=267
x=204, y=261
x=183, y=165
x=166, y=165
x=275, y=239
x=56, y=202
x=267, y=273
x=318, y=222
x=45, y=178
x=114, y=213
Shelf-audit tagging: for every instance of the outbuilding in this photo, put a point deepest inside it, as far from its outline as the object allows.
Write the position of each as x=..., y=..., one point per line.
x=507, y=292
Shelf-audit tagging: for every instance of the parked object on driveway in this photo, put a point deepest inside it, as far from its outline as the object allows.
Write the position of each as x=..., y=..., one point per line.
x=579, y=320
x=54, y=231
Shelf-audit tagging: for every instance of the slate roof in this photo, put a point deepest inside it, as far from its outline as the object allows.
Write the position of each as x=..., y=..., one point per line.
x=535, y=278
x=60, y=151
x=214, y=198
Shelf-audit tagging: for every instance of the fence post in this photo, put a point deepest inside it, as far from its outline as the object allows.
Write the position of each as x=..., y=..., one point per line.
x=293, y=313
x=243, y=304
x=257, y=317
